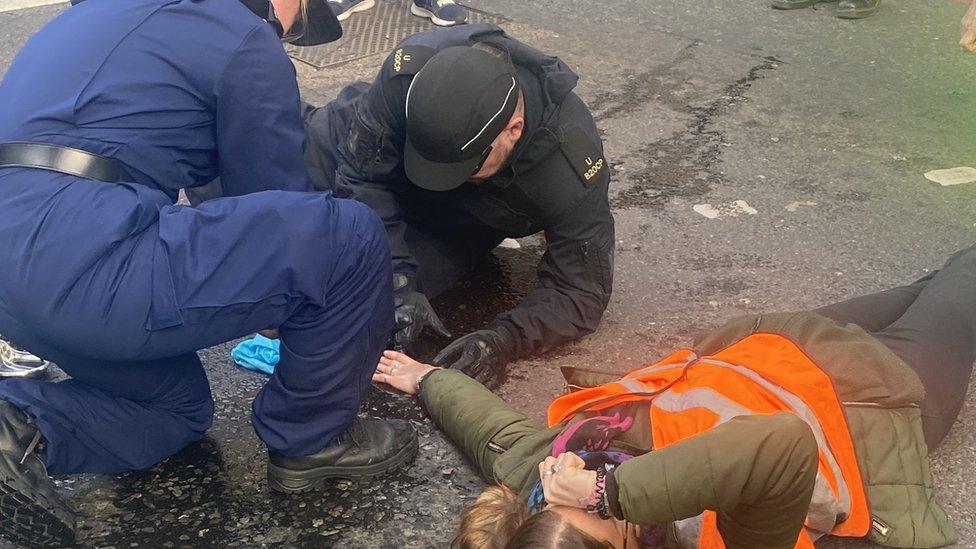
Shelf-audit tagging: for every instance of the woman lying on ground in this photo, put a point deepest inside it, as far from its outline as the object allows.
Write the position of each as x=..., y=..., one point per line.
x=775, y=430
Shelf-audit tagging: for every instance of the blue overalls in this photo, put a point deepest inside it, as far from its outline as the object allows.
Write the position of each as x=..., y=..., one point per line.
x=121, y=287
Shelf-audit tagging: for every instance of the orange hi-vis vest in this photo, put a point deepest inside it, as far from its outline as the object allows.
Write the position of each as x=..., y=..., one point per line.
x=763, y=373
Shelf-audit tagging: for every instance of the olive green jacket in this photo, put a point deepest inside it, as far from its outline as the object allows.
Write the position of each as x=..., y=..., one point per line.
x=752, y=470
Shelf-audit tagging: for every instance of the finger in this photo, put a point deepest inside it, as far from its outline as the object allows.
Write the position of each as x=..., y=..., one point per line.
x=396, y=356
x=545, y=469
x=465, y=361
x=564, y=461
x=381, y=378
x=969, y=41
x=401, y=358
x=403, y=316
x=574, y=461
x=437, y=325
x=448, y=354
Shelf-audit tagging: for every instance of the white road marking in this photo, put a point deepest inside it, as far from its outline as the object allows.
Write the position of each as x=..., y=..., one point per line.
x=725, y=210
x=706, y=210
x=744, y=206
x=11, y=5
x=794, y=206
x=952, y=176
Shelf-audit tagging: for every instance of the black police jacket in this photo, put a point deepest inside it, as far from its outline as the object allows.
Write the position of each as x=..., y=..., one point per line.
x=556, y=181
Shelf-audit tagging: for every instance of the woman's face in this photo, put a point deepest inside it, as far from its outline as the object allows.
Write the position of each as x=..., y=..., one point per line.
x=613, y=531
x=287, y=12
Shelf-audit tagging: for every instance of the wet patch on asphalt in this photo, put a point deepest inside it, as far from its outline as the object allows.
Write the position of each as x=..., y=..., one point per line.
x=686, y=164
x=214, y=493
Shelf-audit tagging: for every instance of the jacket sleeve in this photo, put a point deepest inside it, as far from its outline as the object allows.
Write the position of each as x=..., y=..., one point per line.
x=756, y=472
x=369, y=159
x=575, y=279
x=260, y=135
x=480, y=423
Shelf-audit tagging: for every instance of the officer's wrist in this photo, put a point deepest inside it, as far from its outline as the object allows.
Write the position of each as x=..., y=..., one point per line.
x=505, y=341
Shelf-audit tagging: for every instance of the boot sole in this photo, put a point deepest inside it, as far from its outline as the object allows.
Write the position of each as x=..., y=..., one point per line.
x=421, y=12
x=291, y=481
x=368, y=4
x=27, y=518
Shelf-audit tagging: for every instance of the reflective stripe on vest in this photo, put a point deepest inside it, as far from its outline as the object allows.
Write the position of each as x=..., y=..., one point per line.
x=760, y=374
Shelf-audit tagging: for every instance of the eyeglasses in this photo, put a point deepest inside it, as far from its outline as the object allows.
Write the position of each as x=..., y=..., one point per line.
x=484, y=158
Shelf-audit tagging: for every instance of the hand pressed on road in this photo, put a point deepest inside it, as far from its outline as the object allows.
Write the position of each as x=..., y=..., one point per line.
x=401, y=372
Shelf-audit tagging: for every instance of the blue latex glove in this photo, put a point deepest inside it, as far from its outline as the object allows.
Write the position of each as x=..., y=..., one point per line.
x=258, y=353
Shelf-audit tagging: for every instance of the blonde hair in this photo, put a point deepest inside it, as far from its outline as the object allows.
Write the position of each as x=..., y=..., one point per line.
x=499, y=519
x=491, y=520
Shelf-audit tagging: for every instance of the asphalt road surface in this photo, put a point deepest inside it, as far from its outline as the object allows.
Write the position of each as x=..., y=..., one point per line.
x=762, y=161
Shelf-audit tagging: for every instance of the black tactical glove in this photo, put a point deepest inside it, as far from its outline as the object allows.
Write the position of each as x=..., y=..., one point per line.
x=482, y=355
x=413, y=314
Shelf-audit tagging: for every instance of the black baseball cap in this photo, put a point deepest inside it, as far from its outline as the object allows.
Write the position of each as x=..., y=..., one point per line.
x=456, y=106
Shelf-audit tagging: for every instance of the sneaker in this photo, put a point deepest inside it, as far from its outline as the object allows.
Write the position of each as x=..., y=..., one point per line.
x=32, y=514
x=794, y=4
x=344, y=8
x=370, y=448
x=857, y=9
x=18, y=363
x=443, y=13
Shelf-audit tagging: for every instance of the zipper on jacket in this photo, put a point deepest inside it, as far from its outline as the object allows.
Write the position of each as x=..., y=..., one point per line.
x=879, y=526
x=495, y=447
x=879, y=406
x=378, y=157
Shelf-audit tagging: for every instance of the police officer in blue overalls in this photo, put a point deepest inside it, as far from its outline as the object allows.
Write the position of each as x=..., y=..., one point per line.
x=104, y=115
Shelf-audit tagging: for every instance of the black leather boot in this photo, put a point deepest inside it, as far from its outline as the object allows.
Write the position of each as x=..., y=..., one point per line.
x=370, y=448
x=32, y=514
x=857, y=9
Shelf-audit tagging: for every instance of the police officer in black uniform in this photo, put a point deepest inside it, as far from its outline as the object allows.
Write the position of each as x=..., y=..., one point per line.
x=466, y=137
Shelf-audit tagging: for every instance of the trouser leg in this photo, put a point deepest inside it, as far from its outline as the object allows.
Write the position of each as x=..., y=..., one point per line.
x=931, y=325
x=113, y=417
x=328, y=355
x=936, y=336
x=315, y=266
x=874, y=312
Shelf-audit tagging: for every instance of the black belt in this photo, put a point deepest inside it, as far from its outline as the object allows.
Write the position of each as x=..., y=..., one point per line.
x=63, y=159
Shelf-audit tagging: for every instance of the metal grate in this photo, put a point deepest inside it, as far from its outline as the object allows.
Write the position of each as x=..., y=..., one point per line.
x=375, y=31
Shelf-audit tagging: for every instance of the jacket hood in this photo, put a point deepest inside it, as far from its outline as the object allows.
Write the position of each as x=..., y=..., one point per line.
x=555, y=77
